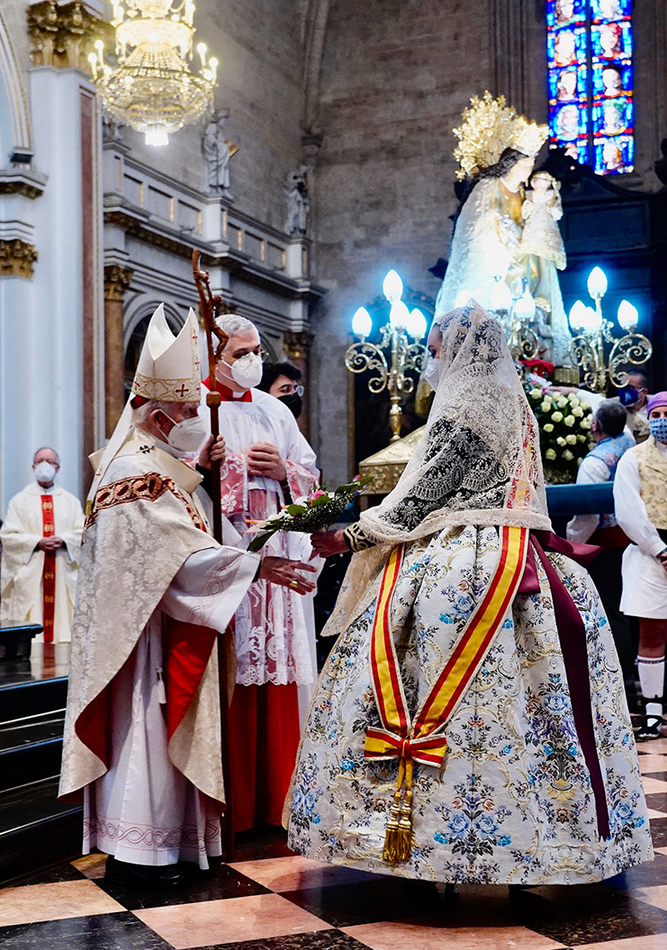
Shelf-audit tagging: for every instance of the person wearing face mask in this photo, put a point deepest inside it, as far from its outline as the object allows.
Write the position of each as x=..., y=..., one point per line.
x=142, y=731
x=41, y=540
x=633, y=397
x=268, y=464
x=283, y=380
x=640, y=498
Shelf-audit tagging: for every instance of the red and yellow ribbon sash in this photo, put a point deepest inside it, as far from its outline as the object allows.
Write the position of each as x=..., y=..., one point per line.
x=424, y=740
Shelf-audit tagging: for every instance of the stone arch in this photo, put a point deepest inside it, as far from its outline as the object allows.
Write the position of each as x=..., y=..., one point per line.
x=15, y=129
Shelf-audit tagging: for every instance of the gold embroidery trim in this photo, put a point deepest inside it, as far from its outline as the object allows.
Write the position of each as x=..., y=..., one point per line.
x=147, y=487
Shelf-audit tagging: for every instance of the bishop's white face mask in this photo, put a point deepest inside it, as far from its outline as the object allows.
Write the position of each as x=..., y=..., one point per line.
x=432, y=371
x=44, y=472
x=186, y=436
x=246, y=371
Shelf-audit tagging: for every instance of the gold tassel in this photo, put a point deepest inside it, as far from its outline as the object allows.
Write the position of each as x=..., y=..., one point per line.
x=398, y=837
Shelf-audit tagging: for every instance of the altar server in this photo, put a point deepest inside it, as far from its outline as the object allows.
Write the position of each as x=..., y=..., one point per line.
x=41, y=540
x=142, y=733
x=268, y=464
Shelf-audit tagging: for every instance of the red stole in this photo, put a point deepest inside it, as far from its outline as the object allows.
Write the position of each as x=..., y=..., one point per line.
x=48, y=571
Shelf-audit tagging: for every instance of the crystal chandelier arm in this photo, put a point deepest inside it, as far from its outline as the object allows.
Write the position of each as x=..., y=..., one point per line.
x=362, y=357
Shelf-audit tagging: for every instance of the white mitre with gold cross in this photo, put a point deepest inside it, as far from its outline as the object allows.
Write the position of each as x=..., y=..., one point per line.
x=168, y=371
x=168, y=368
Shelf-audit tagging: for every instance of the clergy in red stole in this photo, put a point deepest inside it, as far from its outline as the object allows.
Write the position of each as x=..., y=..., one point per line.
x=268, y=464
x=41, y=539
x=142, y=733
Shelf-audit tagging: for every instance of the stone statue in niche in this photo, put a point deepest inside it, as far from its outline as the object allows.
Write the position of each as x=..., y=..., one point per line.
x=218, y=152
x=112, y=129
x=298, y=201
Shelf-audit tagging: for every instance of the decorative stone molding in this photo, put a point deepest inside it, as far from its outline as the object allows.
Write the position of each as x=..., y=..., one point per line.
x=116, y=281
x=17, y=181
x=297, y=344
x=63, y=35
x=17, y=258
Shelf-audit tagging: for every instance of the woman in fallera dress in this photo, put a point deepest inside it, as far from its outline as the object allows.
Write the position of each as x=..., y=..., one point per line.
x=470, y=724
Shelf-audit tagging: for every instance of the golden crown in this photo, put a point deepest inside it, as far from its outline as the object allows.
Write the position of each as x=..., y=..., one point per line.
x=488, y=126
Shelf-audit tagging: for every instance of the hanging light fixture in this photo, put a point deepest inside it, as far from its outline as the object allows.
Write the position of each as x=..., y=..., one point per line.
x=152, y=88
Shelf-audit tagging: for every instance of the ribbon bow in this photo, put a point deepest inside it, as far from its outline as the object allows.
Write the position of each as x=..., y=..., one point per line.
x=427, y=750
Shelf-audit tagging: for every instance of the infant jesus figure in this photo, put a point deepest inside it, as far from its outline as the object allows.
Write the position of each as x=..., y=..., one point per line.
x=542, y=249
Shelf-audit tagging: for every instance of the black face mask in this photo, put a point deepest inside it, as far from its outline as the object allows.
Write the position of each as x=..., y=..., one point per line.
x=294, y=403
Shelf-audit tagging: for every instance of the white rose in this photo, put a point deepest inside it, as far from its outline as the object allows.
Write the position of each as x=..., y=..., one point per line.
x=557, y=416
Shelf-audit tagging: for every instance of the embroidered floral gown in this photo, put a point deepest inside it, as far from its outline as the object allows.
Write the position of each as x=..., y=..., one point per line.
x=524, y=794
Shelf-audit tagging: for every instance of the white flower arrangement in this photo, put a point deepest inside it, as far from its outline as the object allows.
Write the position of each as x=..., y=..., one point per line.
x=565, y=423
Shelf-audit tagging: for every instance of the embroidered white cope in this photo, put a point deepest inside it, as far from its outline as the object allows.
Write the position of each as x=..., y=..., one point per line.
x=23, y=561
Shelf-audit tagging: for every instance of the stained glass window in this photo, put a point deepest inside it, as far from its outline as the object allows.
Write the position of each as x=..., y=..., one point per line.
x=591, y=112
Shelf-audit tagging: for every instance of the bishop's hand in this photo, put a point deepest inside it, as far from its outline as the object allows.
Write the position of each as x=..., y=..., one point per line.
x=285, y=573
x=212, y=452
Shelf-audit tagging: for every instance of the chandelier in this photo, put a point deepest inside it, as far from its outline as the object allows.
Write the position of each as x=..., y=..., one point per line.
x=152, y=88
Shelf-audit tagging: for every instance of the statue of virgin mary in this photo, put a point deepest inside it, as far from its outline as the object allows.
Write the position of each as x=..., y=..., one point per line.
x=496, y=154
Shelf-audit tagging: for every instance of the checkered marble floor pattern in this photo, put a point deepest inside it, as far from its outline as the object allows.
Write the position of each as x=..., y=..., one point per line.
x=270, y=899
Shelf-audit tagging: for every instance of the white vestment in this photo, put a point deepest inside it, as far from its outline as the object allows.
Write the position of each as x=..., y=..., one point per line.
x=274, y=627
x=23, y=561
x=644, y=577
x=147, y=759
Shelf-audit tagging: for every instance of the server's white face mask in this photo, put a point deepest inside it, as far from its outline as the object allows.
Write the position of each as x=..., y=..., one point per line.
x=432, y=371
x=44, y=472
x=246, y=371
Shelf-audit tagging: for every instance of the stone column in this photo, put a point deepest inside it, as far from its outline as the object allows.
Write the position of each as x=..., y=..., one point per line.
x=67, y=408
x=17, y=375
x=297, y=346
x=116, y=281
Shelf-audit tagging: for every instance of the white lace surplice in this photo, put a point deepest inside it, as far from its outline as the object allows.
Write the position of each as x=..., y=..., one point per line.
x=273, y=634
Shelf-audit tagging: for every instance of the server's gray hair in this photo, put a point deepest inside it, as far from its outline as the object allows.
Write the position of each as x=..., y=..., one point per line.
x=233, y=323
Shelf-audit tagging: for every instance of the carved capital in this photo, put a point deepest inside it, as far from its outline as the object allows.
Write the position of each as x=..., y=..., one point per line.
x=297, y=344
x=116, y=281
x=17, y=258
x=63, y=35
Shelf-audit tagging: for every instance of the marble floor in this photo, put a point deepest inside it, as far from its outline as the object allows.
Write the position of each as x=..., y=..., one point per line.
x=270, y=899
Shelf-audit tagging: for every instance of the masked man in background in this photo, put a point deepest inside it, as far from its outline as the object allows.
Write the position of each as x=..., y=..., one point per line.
x=41, y=538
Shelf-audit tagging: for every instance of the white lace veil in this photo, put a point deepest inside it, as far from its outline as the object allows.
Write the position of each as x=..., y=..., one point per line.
x=478, y=461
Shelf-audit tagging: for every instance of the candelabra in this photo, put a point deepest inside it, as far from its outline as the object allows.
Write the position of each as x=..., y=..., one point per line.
x=591, y=332
x=516, y=314
x=364, y=357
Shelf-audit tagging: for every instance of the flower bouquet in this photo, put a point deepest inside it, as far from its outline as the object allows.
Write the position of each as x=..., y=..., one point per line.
x=316, y=512
x=565, y=433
